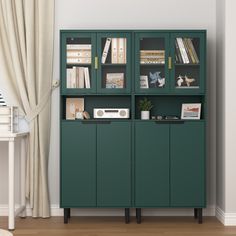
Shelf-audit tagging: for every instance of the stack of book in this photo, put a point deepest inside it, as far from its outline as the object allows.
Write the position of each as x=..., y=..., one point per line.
x=8, y=119
x=118, y=50
x=78, y=53
x=152, y=56
x=77, y=77
x=2, y=101
x=185, y=51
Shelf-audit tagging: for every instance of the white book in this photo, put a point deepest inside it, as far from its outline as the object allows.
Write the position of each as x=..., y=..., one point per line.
x=105, y=50
x=114, y=50
x=86, y=77
x=79, y=60
x=73, y=77
x=81, y=77
x=121, y=50
x=183, y=50
x=78, y=46
x=68, y=77
x=78, y=53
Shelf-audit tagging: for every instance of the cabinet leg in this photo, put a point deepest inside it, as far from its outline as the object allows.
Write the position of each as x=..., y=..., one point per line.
x=66, y=215
x=200, y=215
x=195, y=213
x=138, y=215
x=127, y=216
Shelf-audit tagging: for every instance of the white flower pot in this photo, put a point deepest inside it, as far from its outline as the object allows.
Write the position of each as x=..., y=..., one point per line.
x=145, y=115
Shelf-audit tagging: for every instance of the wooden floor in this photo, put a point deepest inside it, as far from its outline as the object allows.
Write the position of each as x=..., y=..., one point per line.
x=115, y=226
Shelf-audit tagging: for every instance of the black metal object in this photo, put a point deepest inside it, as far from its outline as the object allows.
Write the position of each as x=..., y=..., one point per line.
x=138, y=215
x=198, y=214
x=195, y=213
x=66, y=215
x=127, y=215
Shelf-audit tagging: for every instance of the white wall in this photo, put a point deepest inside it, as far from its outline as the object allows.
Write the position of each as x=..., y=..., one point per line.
x=134, y=14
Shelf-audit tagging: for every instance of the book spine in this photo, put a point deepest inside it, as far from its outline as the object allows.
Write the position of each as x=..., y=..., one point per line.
x=180, y=60
x=194, y=51
x=78, y=53
x=81, y=77
x=73, y=81
x=182, y=50
x=68, y=78
x=190, y=51
x=121, y=50
x=114, y=50
x=78, y=60
x=187, y=50
x=105, y=50
x=86, y=76
x=78, y=46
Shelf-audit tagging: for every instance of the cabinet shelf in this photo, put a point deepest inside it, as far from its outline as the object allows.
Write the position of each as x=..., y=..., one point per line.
x=113, y=64
x=187, y=64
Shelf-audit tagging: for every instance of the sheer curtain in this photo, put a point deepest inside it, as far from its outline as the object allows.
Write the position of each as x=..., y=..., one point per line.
x=26, y=61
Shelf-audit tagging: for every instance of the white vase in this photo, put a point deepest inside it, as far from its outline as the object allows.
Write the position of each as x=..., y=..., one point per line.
x=145, y=115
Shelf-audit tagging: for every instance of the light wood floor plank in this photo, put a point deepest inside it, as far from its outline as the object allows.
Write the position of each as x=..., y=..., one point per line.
x=115, y=226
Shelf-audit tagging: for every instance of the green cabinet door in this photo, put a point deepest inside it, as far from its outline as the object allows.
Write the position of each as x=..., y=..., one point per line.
x=151, y=164
x=78, y=164
x=114, y=164
x=187, y=164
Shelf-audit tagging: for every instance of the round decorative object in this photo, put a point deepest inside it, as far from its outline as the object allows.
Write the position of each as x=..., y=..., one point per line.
x=145, y=115
x=100, y=113
x=122, y=113
x=5, y=233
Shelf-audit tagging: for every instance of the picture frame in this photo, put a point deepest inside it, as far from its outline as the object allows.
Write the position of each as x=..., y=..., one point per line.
x=144, y=82
x=72, y=106
x=191, y=111
x=115, y=80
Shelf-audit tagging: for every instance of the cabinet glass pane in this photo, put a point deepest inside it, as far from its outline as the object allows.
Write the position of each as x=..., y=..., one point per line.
x=187, y=63
x=78, y=63
x=152, y=63
x=113, y=62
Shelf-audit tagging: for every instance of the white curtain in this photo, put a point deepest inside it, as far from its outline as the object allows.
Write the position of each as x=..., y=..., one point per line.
x=26, y=60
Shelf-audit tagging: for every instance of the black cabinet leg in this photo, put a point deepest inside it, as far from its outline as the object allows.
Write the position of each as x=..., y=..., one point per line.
x=200, y=215
x=195, y=213
x=127, y=216
x=66, y=215
x=69, y=214
x=138, y=215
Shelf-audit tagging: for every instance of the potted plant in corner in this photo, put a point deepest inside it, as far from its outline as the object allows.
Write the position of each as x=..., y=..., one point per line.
x=145, y=106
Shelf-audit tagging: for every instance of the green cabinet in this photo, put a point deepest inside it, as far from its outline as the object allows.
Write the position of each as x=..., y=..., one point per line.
x=151, y=164
x=173, y=156
x=187, y=147
x=78, y=165
x=114, y=164
x=129, y=162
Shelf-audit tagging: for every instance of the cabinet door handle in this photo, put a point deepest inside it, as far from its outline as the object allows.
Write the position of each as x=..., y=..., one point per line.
x=96, y=122
x=96, y=63
x=169, y=121
x=169, y=63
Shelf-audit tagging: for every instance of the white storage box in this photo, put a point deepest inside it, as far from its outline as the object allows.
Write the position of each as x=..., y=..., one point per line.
x=8, y=119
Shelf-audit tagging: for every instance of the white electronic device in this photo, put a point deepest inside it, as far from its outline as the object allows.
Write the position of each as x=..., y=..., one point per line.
x=111, y=113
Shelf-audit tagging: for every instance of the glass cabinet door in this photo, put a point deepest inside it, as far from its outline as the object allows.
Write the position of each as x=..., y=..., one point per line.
x=114, y=62
x=78, y=62
x=188, y=63
x=151, y=62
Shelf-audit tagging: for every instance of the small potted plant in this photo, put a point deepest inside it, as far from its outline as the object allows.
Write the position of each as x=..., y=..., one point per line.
x=145, y=106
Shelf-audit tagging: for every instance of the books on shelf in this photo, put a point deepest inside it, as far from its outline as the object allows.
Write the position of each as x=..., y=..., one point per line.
x=77, y=77
x=185, y=51
x=72, y=106
x=79, y=53
x=2, y=101
x=115, y=80
x=152, y=56
x=118, y=50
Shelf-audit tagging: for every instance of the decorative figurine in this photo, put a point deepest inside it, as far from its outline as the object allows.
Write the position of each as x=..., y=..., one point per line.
x=161, y=82
x=155, y=77
x=188, y=81
x=180, y=80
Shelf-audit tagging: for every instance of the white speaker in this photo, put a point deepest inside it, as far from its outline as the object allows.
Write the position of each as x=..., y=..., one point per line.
x=111, y=113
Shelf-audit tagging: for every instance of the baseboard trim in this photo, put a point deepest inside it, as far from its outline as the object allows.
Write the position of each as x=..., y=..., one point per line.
x=227, y=219
x=57, y=211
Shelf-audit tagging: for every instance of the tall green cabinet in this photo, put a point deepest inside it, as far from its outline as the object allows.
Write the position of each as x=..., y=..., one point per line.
x=129, y=162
